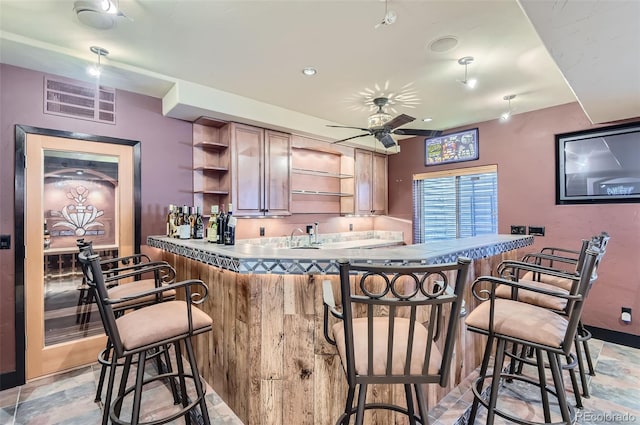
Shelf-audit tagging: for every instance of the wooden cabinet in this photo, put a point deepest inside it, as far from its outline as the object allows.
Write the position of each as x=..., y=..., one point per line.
x=211, y=180
x=370, y=183
x=260, y=163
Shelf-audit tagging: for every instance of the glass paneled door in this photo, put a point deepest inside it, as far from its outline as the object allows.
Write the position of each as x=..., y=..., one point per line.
x=73, y=189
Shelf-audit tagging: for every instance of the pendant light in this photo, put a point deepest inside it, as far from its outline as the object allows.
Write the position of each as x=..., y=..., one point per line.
x=506, y=115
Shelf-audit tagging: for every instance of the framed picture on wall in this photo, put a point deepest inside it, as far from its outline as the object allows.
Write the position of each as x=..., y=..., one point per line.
x=599, y=166
x=453, y=147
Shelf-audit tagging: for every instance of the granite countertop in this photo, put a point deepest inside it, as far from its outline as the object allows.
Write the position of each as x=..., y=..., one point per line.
x=253, y=258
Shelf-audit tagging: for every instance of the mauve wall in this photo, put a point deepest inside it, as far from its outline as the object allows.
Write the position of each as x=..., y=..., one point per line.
x=166, y=166
x=524, y=150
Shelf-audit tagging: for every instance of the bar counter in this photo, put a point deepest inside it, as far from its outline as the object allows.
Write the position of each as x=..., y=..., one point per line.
x=267, y=357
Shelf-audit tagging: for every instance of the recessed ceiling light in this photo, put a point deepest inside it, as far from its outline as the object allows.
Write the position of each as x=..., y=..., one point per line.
x=427, y=119
x=309, y=71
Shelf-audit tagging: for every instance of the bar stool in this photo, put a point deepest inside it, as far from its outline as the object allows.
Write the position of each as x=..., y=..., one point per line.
x=534, y=271
x=150, y=328
x=381, y=337
x=544, y=331
x=149, y=275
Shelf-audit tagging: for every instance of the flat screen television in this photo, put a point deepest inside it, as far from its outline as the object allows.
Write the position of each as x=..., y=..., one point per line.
x=599, y=166
x=453, y=147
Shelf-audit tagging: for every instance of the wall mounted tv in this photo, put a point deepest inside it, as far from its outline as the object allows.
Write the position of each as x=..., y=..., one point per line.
x=453, y=147
x=599, y=166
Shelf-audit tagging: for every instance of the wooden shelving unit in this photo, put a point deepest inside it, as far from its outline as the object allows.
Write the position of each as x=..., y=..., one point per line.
x=211, y=162
x=317, y=178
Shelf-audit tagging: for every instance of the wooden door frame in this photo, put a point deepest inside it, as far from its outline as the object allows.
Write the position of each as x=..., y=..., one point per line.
x=21, y=132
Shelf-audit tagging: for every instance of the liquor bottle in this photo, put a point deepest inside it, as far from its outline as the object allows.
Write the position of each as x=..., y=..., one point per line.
x=192, y=222
x=177, y=221
x=198, y=233
x=212, y=231
x=184, y=226
x=230, y=230
x=222, y=223
x=171, y=220
x=47, y=235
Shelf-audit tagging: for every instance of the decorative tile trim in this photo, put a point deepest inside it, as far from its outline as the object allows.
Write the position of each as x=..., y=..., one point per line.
x=321, y=266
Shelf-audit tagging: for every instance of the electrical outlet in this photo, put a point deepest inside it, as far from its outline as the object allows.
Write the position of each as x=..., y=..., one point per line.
x=536, y=230
x=262, y=231
x=518, y=230
x=625, y=316
x=5, y=241
x=350, y=227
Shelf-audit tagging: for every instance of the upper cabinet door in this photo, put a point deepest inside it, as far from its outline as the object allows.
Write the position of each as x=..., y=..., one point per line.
x=261, y=171
x=277, y=172
x=247, y=144
x=379, y=184
x=363, y=180
x=370, y=183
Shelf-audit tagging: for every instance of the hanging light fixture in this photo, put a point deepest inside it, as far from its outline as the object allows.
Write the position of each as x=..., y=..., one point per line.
x=506, y=115
x=468, y=82
x=96, y=69
x=389, y=16
x=380, y=117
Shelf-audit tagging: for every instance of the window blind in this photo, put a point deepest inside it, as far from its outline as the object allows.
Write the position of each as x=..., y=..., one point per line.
x=455, y=206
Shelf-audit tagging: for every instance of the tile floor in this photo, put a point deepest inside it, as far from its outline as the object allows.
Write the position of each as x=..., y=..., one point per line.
x=68, y=398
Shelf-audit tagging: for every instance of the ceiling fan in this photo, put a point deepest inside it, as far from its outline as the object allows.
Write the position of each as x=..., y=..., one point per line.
x=382, y=126
x=99, y=14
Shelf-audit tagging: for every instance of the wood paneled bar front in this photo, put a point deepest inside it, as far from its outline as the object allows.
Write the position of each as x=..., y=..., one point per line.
x=267, y=357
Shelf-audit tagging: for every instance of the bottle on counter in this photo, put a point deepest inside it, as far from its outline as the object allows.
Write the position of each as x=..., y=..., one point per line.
x=171, y=220
x=230, y=229
x=222, y=224
x=178, y=219
x=212, y=230
x=192, y=222
x=184, y=225
x=198, y=233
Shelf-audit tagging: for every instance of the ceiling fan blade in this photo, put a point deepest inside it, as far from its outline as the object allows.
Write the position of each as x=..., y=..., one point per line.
x=343, y=126
x=417, y=132
x=353, y=137
x=386, y=139
x=398, y=121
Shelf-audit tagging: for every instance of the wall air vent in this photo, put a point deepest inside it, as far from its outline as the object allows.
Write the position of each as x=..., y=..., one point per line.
x=77, y=99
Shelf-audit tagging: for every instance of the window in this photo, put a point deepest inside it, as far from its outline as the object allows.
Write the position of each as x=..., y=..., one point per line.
x=455, y=204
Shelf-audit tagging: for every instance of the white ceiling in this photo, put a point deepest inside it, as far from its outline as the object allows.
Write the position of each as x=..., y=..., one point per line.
x=243, y=59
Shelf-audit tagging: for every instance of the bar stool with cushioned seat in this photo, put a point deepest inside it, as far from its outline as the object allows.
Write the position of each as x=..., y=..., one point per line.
x=545, y=331
x=538, y=275
x=149, y=275
x=551, y=256
x=151, y=328
x=397, y=327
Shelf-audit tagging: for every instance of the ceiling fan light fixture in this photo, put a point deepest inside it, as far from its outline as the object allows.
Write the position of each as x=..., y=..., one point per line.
x=378, y=119
x=109, y=7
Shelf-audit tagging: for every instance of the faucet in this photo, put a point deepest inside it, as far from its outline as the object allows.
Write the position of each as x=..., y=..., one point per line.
x=291, y=236
x=315, y=233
